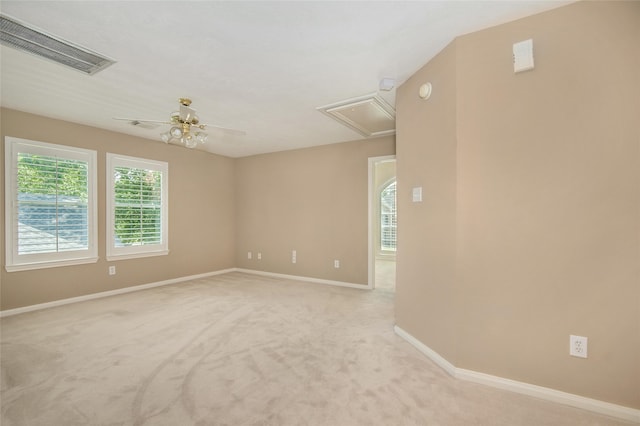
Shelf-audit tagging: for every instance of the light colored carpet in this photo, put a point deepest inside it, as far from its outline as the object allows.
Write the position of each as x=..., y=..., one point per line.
x=385, y=274
x=239, y=349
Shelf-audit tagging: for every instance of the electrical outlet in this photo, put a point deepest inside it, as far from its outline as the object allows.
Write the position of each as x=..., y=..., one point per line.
x=336, y=264
x=249, y=255
x=259, y=256
x=578, y=346
x=112, y=270
x=293, y=256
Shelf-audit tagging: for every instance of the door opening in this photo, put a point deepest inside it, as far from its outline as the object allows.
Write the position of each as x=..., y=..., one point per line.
x=382, y=222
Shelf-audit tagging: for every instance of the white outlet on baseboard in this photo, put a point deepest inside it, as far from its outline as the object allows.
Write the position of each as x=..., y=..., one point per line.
x=259, y=256
x=249, y=255
x=293, y=256
x=112, y=270
x=578, y=346
x=336, y=264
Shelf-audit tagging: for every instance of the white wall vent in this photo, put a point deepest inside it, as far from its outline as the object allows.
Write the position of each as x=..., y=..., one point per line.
x=20, y=36
x=368, y=115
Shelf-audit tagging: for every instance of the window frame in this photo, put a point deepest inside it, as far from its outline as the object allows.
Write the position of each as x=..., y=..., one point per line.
x=22, y=262
x=144, y=250
x=394, y=213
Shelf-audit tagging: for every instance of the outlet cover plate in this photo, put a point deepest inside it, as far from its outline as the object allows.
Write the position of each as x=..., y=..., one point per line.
x=578, y=346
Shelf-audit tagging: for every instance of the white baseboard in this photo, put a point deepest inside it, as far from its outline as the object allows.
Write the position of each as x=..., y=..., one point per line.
x=16, y=311
x=601, y=407
x=307, y=279
x=553, y=395
x=430, y=353
x=9, y=312
x=573, y=400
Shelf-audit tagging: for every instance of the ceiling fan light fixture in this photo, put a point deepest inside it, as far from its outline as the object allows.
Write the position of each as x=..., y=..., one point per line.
x=201, y=137
x=176, y=132
x=184, y=136
x=185, y=126
x=189, y=141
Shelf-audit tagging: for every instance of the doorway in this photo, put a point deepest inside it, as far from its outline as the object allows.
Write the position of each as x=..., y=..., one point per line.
x=382, y=223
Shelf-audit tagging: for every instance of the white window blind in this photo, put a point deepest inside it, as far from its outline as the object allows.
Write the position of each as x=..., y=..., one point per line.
x=388, y=219
x=137, y=205
x=50, y=205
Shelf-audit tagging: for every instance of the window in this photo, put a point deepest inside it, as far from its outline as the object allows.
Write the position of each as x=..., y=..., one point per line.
x=50, y=205
x=388, y=221
x=137, y=223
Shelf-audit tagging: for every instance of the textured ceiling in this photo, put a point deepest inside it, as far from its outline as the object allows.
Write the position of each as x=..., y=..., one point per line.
x=261, y=67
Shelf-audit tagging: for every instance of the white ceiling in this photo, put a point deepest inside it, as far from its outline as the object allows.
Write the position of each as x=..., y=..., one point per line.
x=262, y=67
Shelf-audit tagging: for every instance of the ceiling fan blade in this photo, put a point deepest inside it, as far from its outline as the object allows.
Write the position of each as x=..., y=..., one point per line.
x=185, y=119
x=224, y=129
x=142, y=121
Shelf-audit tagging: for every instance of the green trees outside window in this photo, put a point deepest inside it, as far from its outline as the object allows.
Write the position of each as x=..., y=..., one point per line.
x=137, y=207
x=138, y=201
x=52, y=196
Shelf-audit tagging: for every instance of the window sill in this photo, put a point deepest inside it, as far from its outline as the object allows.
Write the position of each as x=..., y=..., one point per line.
x=386, y=255
x=52, y=264
x=113, y=257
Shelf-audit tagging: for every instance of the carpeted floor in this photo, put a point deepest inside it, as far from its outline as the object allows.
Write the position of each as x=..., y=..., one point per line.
x=239, y=349
x=385, y=275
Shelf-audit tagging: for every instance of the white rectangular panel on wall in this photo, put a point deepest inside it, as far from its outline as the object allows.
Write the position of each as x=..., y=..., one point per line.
x=523, y=56
x=416, y=194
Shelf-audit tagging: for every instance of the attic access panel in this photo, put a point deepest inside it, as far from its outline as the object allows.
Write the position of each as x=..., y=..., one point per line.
x=368, y=115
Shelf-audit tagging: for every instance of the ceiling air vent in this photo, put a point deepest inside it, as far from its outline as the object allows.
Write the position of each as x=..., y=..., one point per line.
x=368, y=115
x=28, y=39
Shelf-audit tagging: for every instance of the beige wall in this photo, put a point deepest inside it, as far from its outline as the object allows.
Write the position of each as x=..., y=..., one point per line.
x=311, y=200
x=426, y=157
x=541, y=173
x=201, y=215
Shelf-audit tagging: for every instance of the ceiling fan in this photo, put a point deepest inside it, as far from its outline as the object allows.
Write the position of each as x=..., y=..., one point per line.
x=186, y=127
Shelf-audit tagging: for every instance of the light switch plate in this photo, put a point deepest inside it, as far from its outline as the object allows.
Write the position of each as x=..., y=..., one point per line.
x=417, y=194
